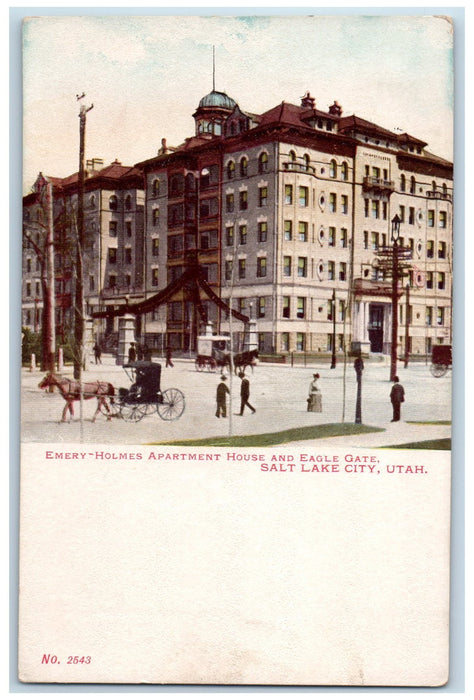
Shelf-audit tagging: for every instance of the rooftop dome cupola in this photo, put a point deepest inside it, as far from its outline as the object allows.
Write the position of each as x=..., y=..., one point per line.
x=212, y=112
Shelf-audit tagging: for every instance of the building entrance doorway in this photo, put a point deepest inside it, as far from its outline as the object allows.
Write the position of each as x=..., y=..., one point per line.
x=376, y=327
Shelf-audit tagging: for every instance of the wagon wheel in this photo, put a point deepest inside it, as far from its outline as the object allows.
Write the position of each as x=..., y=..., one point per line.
x=198, y=365
x=172, y=404
x=439, y=370
x=133, y=412
x=114, y=408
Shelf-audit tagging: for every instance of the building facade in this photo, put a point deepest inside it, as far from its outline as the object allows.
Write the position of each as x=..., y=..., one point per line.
x=289, y=215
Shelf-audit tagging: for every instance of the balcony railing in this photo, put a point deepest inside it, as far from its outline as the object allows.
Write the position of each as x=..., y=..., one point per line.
x=435, y=194
x=378, y=184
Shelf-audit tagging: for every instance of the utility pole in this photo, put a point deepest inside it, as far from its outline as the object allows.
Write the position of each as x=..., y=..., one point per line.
x=79, y=288
x=49, y=327
x=395, y=277
x=333, y=357
x=407, y=326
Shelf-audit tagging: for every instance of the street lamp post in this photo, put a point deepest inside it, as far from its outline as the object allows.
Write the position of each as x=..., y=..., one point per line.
x=395, y=277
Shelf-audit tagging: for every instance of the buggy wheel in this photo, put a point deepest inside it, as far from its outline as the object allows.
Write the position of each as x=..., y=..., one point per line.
x=172, y=405
x=114, y=409
x=132, y=412
x=439, y=370
x=199, y=366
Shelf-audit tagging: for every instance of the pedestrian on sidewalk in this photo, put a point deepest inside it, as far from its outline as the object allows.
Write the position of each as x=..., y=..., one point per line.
x=169, y=360
x=132, y=353
x=315, y=399
x=397, y=397
x=97, y=354
x=221, y=397
x=244, y=394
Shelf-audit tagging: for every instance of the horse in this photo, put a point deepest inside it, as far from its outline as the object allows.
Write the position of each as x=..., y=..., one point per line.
x=70, y=390
x=245, y=359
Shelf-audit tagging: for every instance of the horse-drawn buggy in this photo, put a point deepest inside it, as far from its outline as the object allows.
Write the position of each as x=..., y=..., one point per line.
x=214, y=353
x=441, y=360
x=144, y=396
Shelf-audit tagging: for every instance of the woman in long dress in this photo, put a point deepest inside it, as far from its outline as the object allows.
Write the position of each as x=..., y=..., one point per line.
x=315, y=403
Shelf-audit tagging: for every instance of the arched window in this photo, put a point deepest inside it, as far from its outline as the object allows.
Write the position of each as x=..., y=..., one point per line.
x=445, y=189
x=307, y=161
x=230, y=169
x=244, y=164
x=332, y=168
x=263, y=162
x=403, y=183
x=92, y=202
x=155, y=188
x=113, y=203
x=433, y=186
x=344, y=171
x=128, y=202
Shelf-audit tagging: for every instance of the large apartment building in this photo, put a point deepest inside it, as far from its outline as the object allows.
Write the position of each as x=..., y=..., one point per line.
x=289, y=215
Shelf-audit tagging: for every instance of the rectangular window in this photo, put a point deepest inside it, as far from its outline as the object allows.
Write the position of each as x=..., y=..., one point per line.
x=375, y=209
x=261, y=342
x=429, y=280
x=303, y=196
x=331, y=269
x=342, y=310
x=285, y=342
x=440, y=316
x=343, y=238
x=229, y=202
x=112, y=281
x=242, y=267
x=128, y=256
x=243, y=234
x=332, y=202
x=287, y=265
x=411, y=244
x=300, y=307
x=430, y=249
x=442, y=219
x=374, y=237
x=156, y=217
x=429, y=315
x=243, y=199
x=261, y=307
x=262, y=231
x=332, y=236
x=288, y=194
x=384, y=210
x=329, y=310
x=366, y=240
x=262, y=196
x=402, y=214
x=441, y=280
x=344, y=204
x=302, y=267
x=300, y=342
x=128, y=228
x=411, y=216
x=430, y=218
x=342, y=271
x=229, y=235
x=261, y=267
x=112, y=228
x=228, y=269
x=91, y=283
x=286, y=307
x=208, y=208
x=442, y=250
x=154, y=277
x=302, y=231
x=366, y=207
x=288, y=234
x=155, y=247
x=112, y=256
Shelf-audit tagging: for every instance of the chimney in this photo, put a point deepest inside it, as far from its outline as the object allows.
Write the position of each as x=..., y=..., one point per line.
x=163, y=149
x=335, y=109
x=308, y=102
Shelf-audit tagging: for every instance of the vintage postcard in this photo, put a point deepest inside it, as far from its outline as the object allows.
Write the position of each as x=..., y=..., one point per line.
x=237, y=296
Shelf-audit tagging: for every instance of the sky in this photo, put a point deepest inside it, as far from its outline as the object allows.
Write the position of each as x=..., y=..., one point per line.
x=145, y=74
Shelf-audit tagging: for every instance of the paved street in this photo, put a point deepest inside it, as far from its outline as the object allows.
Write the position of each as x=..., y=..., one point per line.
x=277, y=391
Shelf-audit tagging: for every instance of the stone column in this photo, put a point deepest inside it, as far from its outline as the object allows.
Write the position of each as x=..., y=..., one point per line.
x=126, y=338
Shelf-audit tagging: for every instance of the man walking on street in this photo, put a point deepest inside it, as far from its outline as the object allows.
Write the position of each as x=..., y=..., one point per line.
x=397, y=397
x=222, y=390
x=244, y=394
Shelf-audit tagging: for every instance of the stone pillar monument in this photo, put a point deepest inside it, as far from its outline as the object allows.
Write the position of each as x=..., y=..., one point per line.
x=126, y=338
